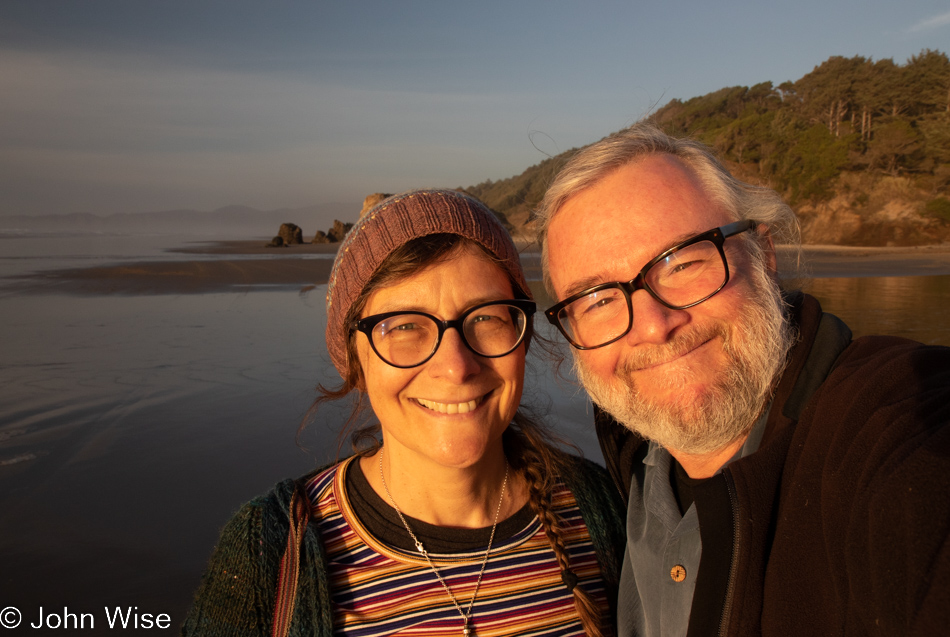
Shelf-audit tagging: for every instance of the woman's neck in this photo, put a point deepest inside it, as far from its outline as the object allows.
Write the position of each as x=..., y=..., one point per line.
x=447, y=496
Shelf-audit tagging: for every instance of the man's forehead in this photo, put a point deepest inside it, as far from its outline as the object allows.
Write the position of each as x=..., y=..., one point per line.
x=609, y=230
x=651, y=194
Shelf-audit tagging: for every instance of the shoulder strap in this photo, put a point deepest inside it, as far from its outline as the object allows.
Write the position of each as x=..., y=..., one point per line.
x=290, y=564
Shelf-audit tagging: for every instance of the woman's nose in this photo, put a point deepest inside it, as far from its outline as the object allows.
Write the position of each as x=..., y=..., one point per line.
x=453, y=360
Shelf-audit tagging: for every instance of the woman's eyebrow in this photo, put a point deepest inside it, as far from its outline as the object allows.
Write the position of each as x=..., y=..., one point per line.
x=401, y=307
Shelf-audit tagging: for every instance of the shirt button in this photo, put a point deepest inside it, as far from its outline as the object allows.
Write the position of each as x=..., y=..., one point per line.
x=678, y=573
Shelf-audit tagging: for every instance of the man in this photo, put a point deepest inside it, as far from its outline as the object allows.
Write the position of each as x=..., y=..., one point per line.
x=781, y=477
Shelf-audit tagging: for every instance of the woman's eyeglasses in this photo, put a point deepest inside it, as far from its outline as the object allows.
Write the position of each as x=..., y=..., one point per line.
x=409, y=339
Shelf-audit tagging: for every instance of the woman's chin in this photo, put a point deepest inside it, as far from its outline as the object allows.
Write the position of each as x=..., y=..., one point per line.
x=458, y=452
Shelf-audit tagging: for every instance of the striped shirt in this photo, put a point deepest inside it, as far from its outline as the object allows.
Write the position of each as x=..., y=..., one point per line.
x=377, y=589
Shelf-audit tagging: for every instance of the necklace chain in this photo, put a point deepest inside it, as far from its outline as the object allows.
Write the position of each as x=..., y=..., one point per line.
x=467, y=614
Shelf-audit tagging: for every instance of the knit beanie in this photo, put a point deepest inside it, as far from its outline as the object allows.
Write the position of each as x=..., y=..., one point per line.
x=395, y=222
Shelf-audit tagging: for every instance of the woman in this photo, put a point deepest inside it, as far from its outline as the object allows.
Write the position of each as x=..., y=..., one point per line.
x=465, y=520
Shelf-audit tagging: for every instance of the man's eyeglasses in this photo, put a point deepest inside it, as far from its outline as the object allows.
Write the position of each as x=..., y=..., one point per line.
x=409, y=339
x=683, y=276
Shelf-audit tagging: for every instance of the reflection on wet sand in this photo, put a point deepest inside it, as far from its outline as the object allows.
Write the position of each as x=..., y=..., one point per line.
x=910, y=306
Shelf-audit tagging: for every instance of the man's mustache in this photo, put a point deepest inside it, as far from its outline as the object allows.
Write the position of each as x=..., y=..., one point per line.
x=648, y=356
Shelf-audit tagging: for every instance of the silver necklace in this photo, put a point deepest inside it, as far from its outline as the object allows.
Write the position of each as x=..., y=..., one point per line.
x=467, y=629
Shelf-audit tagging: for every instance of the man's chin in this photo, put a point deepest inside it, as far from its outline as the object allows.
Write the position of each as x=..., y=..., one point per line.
x=686, y=400
x=680, y=424
x=678, y=418
x=684, y=435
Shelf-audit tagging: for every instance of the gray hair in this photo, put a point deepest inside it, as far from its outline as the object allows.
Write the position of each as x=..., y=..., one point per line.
x=644, y=139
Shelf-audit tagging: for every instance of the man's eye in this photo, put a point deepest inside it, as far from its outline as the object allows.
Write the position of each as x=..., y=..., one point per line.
x=681, y=267
x=596, y=303
x=692, y=268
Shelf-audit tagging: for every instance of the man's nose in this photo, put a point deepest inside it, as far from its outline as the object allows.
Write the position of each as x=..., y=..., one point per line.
x=653, y=322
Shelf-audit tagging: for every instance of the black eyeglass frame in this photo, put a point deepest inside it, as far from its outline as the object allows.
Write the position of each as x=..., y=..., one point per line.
x=366, y=325
x=716, y=236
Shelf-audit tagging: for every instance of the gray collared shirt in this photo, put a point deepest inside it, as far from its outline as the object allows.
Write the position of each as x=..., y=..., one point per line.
x=663, y=548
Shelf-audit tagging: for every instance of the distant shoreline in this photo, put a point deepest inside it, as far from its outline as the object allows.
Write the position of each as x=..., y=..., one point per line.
x=244, y=246
x=831, y=261
x=296, y=266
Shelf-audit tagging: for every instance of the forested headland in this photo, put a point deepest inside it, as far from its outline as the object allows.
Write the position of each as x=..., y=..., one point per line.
x=859, y=148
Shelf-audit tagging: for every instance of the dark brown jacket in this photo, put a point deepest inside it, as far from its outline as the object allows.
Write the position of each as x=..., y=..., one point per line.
x=839, y=523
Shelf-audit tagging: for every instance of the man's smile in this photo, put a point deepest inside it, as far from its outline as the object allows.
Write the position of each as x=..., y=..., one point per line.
x=685, y=346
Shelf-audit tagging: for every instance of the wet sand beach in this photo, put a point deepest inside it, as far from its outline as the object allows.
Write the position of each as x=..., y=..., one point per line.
x=179, y=277
x=308, y=265
x=828, y=261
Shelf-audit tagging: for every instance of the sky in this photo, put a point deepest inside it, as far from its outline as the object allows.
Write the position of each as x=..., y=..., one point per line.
x=113, y=106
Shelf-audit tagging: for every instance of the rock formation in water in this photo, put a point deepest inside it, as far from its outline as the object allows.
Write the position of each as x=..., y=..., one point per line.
x=372, y=200
x=338, y=231
x=291, y=234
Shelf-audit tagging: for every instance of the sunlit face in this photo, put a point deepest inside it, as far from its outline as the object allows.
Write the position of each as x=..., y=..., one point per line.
x=675, y=367
x=452, y=409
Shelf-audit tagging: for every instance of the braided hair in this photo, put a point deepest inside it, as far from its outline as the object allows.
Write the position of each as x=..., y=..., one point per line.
x=530, y=449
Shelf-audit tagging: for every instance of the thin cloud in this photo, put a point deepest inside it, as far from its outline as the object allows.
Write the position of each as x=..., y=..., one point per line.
x=935, y=22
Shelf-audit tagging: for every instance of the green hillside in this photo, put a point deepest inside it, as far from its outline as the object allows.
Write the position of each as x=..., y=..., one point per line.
x=860, y=149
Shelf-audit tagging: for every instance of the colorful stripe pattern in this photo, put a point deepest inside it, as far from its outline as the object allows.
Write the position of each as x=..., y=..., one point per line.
x=378, y=590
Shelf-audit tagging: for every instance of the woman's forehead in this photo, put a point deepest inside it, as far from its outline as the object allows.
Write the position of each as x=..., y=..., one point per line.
x=461, y=279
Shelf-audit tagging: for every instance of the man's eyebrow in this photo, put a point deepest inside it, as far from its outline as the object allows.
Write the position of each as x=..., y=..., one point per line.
x=590, y=281
x=584, y=284
x=686, y=236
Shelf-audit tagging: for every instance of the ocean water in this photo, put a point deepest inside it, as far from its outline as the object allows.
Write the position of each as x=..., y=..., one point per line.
x=131, y=427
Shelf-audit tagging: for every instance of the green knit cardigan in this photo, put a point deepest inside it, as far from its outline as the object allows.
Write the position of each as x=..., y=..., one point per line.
x=237, y=592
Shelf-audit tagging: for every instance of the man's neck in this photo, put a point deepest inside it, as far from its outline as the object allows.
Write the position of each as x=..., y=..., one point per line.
x=705, y=465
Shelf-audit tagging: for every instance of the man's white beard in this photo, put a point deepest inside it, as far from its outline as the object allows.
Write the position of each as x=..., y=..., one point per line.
x=756, y=345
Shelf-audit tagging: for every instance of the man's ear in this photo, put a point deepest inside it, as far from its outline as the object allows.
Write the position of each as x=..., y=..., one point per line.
x=768, y=246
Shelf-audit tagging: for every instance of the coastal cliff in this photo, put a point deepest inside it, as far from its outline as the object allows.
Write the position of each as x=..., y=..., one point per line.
x=859, y=148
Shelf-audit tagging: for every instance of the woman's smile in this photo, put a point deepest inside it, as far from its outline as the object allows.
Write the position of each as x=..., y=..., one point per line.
x=451, y=407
